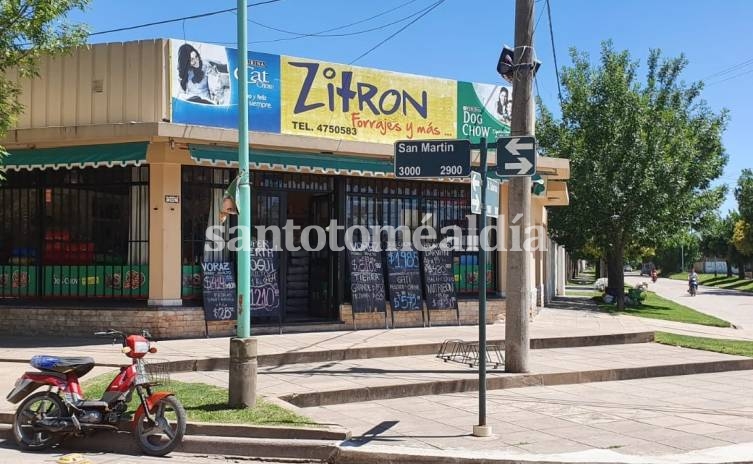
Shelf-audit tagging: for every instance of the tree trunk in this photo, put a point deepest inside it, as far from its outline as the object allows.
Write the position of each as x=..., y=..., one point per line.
x=597, y=269
x=616, y=275
x=741, y=269
x=729, y=268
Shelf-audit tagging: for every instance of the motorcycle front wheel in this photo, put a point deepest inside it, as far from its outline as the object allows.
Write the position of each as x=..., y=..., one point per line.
x=161, y=436
x=39, y=406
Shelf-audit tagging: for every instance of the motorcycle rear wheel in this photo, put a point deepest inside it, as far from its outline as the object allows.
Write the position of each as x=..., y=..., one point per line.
x=42, y=405
x=160, y=437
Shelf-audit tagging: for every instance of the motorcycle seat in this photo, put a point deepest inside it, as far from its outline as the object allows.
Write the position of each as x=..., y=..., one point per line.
x=78, y=365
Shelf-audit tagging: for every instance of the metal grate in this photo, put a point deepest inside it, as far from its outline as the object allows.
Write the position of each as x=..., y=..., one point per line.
x=75, y=233
x=371, y=202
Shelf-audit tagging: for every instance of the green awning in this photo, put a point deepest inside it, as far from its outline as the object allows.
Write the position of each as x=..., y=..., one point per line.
x=84, y=156
x=295, y=162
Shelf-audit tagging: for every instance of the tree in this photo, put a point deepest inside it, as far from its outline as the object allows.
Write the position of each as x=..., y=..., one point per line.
x=28, y=30
x=744, y=195
x=742, y=237
x=642, y=153
x=715, y=240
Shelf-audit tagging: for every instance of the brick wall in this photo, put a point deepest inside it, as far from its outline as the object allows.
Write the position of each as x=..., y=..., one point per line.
x=184, y=322
x=495, y=311
x=188, y=322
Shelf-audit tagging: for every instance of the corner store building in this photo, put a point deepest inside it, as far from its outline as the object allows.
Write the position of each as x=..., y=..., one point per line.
x=115, y=173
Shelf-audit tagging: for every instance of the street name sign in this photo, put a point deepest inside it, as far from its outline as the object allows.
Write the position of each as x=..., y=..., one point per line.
x=516, y=156
x=432, y=158
x=492, y=195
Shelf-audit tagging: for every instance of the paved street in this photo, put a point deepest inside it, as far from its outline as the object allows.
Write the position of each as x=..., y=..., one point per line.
x=9, y=454
x=730, y=305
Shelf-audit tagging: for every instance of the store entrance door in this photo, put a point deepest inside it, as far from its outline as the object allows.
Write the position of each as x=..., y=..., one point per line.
x=308, y=273
x=322, y=262
x=306, y=277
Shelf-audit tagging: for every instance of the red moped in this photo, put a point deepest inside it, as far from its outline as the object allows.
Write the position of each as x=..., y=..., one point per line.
x=45, y=418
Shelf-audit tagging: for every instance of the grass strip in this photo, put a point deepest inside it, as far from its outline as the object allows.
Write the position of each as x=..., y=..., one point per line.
x=717, y=345
x=208, y=403
x=656, y=307
x=720, y=281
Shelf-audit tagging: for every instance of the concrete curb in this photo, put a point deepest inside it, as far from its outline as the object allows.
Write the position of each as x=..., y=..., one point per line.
x=302, y=357
x=254, y=431
x=245, y=431
x=124, y=443
x=355, y=395
x=351, y=455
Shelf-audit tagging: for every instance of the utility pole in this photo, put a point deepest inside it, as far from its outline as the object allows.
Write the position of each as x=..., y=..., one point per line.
x=243, y=364
x=518, y=299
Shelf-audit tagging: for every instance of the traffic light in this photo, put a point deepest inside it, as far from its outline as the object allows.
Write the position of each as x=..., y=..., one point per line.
x=506, y=64
x=229, y=201
x=538, y=186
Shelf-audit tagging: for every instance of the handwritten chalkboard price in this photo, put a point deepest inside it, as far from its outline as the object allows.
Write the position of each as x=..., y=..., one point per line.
x=366, y=281
x=219, y=290
x=439, y=280
x=404, y=280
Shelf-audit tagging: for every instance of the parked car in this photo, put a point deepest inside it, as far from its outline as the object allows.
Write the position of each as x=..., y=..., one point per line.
x=628, y=268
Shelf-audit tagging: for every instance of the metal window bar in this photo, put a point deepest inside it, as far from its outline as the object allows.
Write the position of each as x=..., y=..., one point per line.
x=72, y=233
x=201, y=187
x=404, y=203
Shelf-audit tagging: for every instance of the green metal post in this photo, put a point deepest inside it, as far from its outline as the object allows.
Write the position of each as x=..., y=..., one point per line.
x=482, y=294
x=244, y=189
x=242, y=367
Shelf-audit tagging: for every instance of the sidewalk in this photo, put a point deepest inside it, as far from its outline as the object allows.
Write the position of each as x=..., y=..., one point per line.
x=644, y=420
x=550, y=323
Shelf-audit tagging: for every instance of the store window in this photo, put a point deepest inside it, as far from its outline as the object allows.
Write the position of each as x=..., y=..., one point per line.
x=75, y=233
x=372, y=202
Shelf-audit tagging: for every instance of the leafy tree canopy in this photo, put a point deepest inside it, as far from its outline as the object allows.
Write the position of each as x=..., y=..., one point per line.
x=744, y=195
x=643, y=153
x=28, y=30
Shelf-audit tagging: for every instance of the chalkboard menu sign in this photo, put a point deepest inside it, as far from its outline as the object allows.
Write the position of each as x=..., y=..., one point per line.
x=265, y=283
x=404, y=280
x=366, y=281
x=218, y=285
x=439, y=279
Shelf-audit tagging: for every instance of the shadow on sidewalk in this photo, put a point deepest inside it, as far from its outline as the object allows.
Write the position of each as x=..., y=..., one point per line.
x=574, y=304
x=376, y=434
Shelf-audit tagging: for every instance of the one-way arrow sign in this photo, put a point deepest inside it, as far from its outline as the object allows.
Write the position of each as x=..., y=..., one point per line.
x=516, y=156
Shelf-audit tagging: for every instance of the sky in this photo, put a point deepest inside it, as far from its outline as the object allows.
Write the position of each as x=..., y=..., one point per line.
x=462, y=39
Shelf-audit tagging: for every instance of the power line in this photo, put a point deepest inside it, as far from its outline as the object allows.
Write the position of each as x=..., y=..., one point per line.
x=175, y=20
x=731, y=77
x=538, y=19
x=554, y=51
x=398, y=31
x=300, y=35
x=730, y=69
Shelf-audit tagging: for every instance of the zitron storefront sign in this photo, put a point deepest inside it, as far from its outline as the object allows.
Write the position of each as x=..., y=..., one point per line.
x=319, y=99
